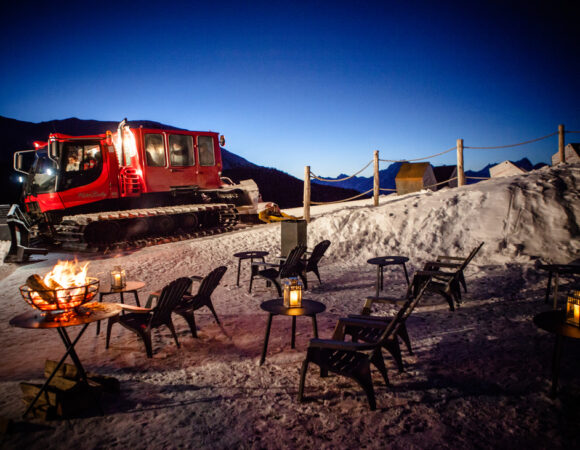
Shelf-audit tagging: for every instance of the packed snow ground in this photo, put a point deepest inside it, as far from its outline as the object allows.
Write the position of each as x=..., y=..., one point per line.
x=480, y=376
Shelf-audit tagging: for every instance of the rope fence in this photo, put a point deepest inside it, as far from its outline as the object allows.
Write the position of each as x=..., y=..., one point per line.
x=418, y=159
x=514, y=145
x=332, y=180
x=460, y=177
x=340, y=201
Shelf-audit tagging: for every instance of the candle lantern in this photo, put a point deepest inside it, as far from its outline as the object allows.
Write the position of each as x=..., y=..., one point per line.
x=292, y=293
x=118, y=280
x=573, y=309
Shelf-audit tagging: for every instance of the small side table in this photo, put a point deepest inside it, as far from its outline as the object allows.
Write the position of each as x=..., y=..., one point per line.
x=252, y=255
x=276, y=307
x=558, y=269
x=383, y=261
x=131, y=287
x=90, y=312
x=554, y=322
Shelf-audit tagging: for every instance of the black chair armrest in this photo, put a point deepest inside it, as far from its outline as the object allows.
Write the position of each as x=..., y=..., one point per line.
x=451, y=258
x=434, y=273
x=448, y=265
x=264, y=264
x=373, y=318
x=364, y=322
x=135, y=309
x=340, y=345
x=391, y=300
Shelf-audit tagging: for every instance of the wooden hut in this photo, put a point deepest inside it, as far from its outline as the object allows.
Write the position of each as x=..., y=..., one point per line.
x=445, y=173
x=571, y=153
x=505, y=169
x=413, y=177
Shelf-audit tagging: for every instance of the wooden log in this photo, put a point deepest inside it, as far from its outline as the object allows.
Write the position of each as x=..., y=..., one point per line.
x=37, y=284
x=65, y=370
x=52, y=284
x=5, y=425
x=71, y=399
x=108, y=384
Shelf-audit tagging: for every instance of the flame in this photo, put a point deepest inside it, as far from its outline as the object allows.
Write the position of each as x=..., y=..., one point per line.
x=67, y=274
x=68, y=283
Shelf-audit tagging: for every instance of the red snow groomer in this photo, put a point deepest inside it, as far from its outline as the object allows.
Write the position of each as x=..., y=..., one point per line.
x=135, y=185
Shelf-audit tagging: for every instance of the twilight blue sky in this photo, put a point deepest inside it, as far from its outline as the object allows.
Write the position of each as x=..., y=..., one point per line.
x=295, y=83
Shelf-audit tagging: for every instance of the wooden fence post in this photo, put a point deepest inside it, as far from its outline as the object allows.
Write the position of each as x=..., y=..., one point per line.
x=306, y=214
x=376, y=179
x=561, y=151
x=460, y=172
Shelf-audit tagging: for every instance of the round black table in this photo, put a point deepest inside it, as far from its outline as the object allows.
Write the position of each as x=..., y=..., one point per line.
x=87, y=313
x=554, y=322
x=557, y=270
x=131, y=287
x=382, y=261
x=252, y=255
x=276, y=307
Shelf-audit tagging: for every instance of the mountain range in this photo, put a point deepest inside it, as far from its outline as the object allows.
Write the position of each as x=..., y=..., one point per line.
x=275, y=185
x=387, y=176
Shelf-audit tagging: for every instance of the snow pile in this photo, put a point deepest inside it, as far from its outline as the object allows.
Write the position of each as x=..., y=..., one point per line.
x=478, y=376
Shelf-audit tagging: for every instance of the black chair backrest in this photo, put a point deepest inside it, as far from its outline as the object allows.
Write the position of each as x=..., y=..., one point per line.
x=471, y=256
x=420, y=285
x=290, y=267
x=211, y=280
x=168, y=300
x=317, y=254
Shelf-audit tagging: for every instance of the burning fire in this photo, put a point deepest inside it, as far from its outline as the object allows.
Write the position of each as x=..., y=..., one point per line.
x=67, y=274
x=65, y=287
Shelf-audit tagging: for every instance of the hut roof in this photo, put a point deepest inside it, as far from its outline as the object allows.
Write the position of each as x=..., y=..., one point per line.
x=412, y=171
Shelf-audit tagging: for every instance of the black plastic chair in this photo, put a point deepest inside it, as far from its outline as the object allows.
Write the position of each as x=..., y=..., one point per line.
x=455, y=263
x=311, y=264
x=448, y=283
x=191, y=303
x=142, y=323
x=370, y=334
x=274, y=273
x=354, y=359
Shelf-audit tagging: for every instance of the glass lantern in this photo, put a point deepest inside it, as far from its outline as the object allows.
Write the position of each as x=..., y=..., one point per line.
x=573, y=309
x=292, y=293
x=118, y=279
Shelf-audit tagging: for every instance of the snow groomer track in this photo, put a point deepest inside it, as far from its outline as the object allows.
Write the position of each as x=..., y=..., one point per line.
x=124, y=230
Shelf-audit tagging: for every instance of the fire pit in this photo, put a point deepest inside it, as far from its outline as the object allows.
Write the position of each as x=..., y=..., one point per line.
x=62, y=290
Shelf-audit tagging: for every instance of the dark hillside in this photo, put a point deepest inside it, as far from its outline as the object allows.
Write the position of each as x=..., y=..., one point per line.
x=275, y=186
x=286, y=190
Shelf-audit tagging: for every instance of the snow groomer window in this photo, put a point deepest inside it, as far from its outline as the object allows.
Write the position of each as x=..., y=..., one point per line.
x=181, y=150
x=155, y=150
x=206, y=154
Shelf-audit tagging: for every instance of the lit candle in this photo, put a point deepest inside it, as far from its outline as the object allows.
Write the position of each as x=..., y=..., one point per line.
x=294, y=301
x=117, y=279
x=577, y=313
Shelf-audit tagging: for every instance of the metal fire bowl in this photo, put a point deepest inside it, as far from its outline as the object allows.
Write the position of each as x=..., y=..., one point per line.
x=64, y=299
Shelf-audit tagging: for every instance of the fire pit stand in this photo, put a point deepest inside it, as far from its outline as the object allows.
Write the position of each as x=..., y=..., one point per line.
x=87, y=314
